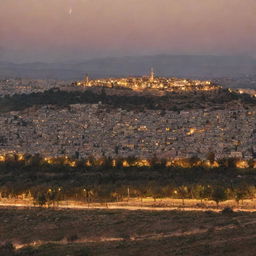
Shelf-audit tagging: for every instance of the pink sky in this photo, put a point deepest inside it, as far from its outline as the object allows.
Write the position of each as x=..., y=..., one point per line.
x=47, y=30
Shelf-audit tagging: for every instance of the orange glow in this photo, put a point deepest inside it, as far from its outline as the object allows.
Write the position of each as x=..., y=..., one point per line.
x=191, y=131
x=21, y=157
x=141, y=163
x=168, y=164
x=182, y=163
x=48, y=160
x=88, y=163
x=215, y=164
x=125, y=164
x=114, y=163
x=72, y=164
x=242, y=164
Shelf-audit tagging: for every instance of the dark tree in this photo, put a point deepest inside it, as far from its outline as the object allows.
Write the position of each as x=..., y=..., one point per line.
x=219, y=195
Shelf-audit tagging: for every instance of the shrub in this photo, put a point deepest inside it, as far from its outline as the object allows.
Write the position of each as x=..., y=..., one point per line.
x=27, y=251
x=72, y=238
x=7, y=249
x=82, y=252
x=227, y=211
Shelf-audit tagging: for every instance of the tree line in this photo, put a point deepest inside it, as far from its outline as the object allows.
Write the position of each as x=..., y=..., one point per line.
x=43, y=195
x=49, y=183
x=120, y=162
x=171, y=101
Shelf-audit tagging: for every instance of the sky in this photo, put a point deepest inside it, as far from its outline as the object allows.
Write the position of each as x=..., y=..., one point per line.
x=76, y=30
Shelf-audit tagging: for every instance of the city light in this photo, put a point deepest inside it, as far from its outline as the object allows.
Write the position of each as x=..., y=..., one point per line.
x=151, y=82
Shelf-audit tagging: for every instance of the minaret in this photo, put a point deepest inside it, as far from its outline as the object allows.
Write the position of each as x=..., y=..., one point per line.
x=86, y=79
x=152, y=75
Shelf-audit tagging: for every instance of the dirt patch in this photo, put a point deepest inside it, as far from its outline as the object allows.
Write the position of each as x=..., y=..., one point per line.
x=122, y=232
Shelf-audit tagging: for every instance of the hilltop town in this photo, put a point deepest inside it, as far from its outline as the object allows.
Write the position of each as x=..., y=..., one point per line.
x=150, y=82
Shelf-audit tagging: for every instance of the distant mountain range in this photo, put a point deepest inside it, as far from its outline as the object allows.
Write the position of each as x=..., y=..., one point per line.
x=164, y=65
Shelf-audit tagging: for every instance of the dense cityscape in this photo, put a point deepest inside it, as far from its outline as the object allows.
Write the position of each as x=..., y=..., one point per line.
x=128, y=128
x=83, y=130
x=93, y=130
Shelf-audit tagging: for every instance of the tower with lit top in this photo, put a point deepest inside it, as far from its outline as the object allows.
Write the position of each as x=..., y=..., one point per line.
x=152, y=75
x=86, y=79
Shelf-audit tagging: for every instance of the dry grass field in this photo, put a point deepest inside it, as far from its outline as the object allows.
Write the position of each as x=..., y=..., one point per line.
x=63, y=232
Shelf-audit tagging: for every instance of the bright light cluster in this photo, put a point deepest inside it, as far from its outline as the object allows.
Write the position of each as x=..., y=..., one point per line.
x=150, y=82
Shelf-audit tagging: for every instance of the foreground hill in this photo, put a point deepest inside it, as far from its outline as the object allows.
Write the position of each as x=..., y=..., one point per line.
x=40, y=232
